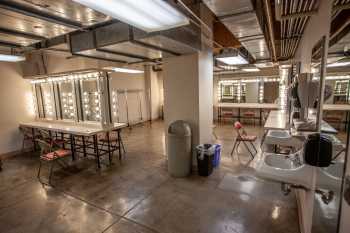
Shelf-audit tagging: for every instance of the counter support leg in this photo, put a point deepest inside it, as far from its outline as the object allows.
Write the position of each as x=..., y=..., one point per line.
x=109, y=149
x=119, y=145
x=96, y=151
x=72, y=145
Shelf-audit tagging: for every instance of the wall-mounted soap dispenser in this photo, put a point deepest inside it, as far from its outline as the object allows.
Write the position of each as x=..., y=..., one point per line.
x=318, y=150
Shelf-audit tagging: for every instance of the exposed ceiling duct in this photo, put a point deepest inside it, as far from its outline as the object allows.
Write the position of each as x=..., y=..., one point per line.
x=241, y=19
x=123, y=43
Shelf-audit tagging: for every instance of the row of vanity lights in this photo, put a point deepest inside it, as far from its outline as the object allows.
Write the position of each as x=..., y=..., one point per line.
x=249, y=80
x=67, y=78
x=91, y=100
x=239, y=82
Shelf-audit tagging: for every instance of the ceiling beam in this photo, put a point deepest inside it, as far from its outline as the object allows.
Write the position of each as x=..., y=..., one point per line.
x=8, y=44
x=32, y=12
x=223, y=36
x=21, y=34
x=339, y=25
x=342, y=7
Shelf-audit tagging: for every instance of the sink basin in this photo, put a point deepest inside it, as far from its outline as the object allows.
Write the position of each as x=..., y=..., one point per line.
x=331, y=177
x=335, y=170
x=284, y=169
x=282, y=138
x=279, y=134
x=279, y=162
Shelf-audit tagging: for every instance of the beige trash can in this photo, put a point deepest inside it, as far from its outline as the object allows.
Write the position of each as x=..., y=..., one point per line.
x=179, y=149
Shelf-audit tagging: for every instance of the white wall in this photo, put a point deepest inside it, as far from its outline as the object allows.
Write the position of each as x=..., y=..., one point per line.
x=188, y=92
x=205, y=92
x=16, y=104
x=153, y=84
x=122, y=81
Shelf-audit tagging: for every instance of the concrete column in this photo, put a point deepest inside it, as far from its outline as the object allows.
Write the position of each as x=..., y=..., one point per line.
x=152, y=92
x=188, y=93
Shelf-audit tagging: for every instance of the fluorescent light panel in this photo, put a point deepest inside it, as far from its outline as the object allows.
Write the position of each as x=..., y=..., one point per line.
x=235, y=60
x=11, y=58
x=253, y=69
x=339, y=64
x=124, y=70
x=148, y=15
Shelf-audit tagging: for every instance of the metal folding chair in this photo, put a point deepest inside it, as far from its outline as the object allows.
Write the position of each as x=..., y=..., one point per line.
x=242, y=136
x=27, y=136
x=48, y=155
x=49, y=138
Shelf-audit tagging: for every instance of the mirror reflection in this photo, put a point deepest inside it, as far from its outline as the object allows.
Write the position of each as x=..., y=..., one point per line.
x=91, y=100
x=67, y=100
x=249, y=91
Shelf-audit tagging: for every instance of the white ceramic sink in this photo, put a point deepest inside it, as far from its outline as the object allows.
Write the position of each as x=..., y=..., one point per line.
x=282, y=138
x=282, y=169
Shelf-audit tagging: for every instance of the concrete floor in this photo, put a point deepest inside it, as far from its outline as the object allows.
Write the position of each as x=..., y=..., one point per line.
x=138, y=196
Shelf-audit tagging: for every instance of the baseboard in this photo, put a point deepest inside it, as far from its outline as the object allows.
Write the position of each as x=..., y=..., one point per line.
x=14, y=153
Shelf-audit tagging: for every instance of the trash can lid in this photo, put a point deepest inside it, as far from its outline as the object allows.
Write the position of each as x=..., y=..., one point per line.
x=179, y=128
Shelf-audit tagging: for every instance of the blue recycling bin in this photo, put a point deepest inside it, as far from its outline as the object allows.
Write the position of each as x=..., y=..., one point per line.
x=217, y=155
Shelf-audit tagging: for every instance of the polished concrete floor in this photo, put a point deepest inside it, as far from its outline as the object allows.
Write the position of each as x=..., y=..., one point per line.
x=138, y=196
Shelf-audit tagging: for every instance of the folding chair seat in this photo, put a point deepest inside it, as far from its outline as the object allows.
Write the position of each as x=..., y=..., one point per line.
x=243, y=137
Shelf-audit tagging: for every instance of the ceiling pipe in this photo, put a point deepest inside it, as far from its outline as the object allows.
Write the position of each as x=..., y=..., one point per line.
x=267, y=8
x=298, y=15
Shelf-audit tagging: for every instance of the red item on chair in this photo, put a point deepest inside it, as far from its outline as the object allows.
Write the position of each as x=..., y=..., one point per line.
x=238, y=125
x=243, y=137
x=61, y=153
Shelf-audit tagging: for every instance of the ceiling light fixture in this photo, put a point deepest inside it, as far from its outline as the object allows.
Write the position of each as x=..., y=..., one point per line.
x=339, y=64
x=148, y=15
x=231, y=57
x=11, y=58
x=237, y=60
x=252, y=69
x=225, y=67
x=124, y=70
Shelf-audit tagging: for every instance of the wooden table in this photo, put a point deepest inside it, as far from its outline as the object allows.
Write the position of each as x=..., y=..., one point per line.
x=83, y=131
x=240, y=106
